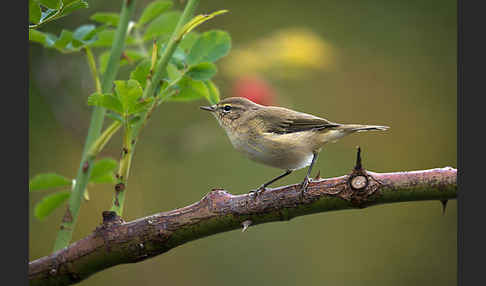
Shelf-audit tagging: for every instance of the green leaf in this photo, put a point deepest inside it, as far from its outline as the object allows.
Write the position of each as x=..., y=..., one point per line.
x=134, y=55
x=71, y=6
x=34, y=12
x=141, y=72
x=162, y=25
x=106, y=18
x=188, y=41
x=47, y=181
x=129, y=93
x=106, y=37
x=190, y=89
x=202, y=71
x=50, y=40
x=64, y=39
x=107, y=100
x=209, y=47
x=153, y=10
x=49, y=13
x=103, y=171
x=173, y=72
x=85, y=35
x=52, y=4
x=114, y=116
x=50, y=203
x=104, y=57
x=37, y=36
x=213, y=92
x=179, y=58
x=140, y=106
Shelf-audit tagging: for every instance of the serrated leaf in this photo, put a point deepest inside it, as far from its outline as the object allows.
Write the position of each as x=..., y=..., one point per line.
x=111, y=19
x=47, y=181
x=52, y=4
x=107, y=100
x=141, y=72
x=103, y=171
x=49, y=203
x=162, y=25
x=213, y=92
x=153, y=10
x=37, y=36
x=190, y=89
x=140, y=106
x=34, y=12
x=129, y=93
x=209, y=47
x=202, y=71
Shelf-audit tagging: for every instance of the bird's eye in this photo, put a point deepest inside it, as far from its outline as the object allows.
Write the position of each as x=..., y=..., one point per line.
x=227, y=108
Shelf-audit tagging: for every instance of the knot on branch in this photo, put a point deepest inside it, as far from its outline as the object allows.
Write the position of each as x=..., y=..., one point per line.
x=362, y=187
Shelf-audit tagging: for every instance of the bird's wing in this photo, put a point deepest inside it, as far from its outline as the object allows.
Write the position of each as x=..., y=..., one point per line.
x=282, y=121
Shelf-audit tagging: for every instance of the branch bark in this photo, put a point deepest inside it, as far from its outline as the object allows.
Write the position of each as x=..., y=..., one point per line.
x=117, y=242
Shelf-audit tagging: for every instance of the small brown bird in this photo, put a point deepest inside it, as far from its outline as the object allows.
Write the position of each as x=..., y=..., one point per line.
x=277, y=136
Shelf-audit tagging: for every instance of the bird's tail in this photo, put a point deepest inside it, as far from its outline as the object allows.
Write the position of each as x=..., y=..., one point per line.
x=360, y=128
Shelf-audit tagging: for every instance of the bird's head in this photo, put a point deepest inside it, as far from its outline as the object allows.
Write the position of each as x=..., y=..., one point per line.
x=232, y=110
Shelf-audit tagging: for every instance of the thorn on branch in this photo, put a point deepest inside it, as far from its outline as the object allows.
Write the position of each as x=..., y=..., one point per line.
x=444, y=205
x=85, y=166
x=318, y=176
x=358, y=180
x=119, y=187
x=68, y=217
x=358, y=166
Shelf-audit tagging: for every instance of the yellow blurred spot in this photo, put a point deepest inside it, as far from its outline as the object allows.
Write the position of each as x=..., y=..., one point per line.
x=287, y=53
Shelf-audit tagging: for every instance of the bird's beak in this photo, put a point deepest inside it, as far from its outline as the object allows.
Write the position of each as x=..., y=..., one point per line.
x=208, y=108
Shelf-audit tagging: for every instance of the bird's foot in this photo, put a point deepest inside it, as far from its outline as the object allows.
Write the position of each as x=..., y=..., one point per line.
x=304, y=186
x=255, y=193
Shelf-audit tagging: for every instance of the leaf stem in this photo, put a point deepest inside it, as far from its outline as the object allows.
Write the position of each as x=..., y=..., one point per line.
x=129, y=143
x=70, y=217
x=171, y=46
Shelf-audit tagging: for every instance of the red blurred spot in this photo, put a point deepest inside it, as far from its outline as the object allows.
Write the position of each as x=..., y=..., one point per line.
x=255, y=89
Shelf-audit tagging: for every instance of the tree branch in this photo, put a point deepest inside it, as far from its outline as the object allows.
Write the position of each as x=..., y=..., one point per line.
x=117, y=242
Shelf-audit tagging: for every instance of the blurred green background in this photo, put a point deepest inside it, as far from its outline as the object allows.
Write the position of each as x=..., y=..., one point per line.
x=393, y=63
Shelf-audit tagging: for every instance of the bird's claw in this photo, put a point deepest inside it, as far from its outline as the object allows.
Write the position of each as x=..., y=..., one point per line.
x=304, y=186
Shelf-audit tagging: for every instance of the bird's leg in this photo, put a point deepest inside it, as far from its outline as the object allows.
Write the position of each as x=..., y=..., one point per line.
x=305, y=183
x=262, y=187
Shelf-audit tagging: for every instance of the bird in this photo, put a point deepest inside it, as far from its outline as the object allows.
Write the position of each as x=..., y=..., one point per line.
x=279, y=137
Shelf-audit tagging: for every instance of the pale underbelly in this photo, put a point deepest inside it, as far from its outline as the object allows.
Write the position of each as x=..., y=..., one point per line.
x=290, y=153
